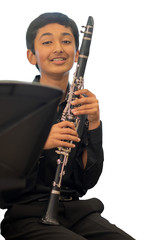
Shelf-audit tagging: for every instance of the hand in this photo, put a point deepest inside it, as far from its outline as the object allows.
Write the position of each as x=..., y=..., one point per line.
x=60, y=133
x=88, y=105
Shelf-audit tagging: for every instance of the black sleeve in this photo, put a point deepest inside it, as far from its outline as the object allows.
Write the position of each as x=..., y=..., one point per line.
x=92, y=141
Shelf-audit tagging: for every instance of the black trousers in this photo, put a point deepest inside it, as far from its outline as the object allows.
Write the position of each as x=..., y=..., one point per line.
x=83, y=223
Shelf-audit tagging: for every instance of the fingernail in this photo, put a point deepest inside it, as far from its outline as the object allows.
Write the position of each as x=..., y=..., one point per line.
x=73, y=110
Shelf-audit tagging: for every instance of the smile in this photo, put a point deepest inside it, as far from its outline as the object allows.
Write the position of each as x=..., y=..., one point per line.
x=58, y=59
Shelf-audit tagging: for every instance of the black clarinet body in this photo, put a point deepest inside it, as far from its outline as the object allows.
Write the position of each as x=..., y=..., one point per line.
x=51, y=214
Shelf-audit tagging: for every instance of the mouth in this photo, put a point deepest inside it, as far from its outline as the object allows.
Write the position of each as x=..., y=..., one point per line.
x=60, y=59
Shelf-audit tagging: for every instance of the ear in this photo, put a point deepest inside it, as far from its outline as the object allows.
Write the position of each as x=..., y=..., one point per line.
x=31, y=57
x=76, y=56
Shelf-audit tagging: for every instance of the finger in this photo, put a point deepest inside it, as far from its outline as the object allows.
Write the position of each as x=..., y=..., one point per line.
x=66, y=137
x=68, y=131
x=85, y=92
x=84, y=100
x=94, y=107
x=91, y=106
x=65, y=124
x=84, y=111
x=65, y=144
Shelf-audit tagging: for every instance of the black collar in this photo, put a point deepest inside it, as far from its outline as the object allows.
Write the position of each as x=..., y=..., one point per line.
x=37, y=79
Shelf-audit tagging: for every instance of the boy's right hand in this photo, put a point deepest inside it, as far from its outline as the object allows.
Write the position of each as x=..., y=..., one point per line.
x=60, y=133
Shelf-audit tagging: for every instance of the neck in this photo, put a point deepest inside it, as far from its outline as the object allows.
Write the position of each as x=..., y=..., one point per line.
x=58, y=81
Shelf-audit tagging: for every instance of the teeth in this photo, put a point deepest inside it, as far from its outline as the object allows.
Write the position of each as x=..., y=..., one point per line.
x=58, y=59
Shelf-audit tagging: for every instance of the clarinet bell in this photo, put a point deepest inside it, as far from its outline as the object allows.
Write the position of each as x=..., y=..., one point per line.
x=51, y=215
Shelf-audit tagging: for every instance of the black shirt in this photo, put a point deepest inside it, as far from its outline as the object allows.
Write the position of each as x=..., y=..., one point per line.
x=76, y=178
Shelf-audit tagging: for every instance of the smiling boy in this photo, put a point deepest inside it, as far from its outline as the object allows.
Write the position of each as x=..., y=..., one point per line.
x=55, y=54
x=52, y=42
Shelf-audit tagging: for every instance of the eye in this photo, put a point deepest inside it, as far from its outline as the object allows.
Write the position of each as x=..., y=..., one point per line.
x=66, y=41
x=47, y=42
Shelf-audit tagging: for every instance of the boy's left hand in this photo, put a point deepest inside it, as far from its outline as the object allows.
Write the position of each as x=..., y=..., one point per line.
x=88, y=105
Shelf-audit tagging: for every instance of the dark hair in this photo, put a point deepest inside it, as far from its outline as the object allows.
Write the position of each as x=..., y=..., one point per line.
x=47, y=18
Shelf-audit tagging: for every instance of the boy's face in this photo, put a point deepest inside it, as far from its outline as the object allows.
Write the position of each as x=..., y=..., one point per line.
x=55, y=50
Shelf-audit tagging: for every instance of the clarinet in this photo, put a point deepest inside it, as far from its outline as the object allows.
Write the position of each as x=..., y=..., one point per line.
x=51, y=214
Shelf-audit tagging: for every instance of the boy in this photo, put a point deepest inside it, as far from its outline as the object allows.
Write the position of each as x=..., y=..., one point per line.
x=52, y=42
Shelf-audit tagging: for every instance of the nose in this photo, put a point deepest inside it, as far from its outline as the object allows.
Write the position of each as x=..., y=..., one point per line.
x=57, y=47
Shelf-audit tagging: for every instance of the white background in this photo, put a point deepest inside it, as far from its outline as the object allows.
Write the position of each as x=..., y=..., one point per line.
x=123, y=71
